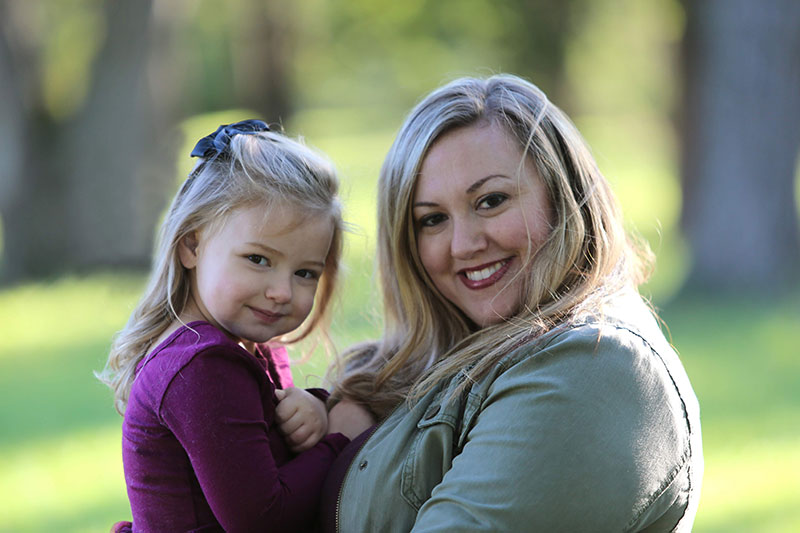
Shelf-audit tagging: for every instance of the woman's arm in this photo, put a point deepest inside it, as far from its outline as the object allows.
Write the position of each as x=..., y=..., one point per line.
x=587, y=436
x=215, y=409
x=349, y=419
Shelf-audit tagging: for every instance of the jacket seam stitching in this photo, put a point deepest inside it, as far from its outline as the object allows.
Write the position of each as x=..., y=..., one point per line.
x=687, y=453
x=669, y=480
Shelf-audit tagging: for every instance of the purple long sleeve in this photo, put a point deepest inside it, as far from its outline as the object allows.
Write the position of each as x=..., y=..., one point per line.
x=200, y=446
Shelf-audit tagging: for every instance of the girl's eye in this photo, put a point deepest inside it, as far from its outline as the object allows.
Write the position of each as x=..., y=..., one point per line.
x=307, y=274
x=258, y=259
x=428, y=221
x=492, y=200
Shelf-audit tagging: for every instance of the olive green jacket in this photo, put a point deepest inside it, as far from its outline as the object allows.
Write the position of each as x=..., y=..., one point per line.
x=590, y=428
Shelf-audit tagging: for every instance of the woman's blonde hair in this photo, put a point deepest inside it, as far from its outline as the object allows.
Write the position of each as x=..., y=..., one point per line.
x=263, y=168
x=586, y=258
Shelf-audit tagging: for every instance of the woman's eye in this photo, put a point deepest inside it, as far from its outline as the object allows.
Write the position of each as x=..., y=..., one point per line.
x=492, y=200
x=258, y=259
x=428, y=221
x=307, y=274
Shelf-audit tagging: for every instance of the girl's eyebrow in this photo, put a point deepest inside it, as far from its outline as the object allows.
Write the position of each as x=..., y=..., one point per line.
x=264, y=247
x=471, y=189
x=309, y=262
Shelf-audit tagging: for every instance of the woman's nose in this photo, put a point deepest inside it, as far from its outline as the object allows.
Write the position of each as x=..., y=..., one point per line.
x=468, y=238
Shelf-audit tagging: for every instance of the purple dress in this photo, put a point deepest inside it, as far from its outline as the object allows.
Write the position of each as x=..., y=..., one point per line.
x=200, y=445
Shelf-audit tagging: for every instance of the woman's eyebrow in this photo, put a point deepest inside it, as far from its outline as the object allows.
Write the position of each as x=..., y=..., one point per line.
x=471, y=189
x=477, y=185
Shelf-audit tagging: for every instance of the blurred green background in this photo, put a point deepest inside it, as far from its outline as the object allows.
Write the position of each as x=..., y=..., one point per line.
x=102, y=102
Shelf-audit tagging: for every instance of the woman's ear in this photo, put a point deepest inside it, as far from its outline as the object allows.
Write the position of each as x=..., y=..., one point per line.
x=187, y=250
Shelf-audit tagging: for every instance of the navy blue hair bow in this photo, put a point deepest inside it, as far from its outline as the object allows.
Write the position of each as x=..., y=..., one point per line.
x=218, y=142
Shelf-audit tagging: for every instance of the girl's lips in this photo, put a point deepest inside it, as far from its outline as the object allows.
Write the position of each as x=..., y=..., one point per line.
x=266, y=316
x=485, y=275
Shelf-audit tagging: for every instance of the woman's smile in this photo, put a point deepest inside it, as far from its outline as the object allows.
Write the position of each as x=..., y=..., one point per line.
x=485, y=275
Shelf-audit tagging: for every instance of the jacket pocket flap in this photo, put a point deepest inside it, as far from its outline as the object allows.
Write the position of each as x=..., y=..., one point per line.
x=442, y=410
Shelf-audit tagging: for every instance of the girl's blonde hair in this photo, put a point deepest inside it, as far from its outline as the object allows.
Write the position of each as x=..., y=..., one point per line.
x=586, y=258
x=263, y=168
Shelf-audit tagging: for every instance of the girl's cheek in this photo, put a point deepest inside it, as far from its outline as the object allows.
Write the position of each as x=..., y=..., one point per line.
x=307, y=301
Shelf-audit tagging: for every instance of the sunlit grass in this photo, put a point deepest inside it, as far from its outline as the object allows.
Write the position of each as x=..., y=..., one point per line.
x=59, y=481
x=753, y=487
x=60, y=464
x=80, y=311
x=60, y=438
x=742, y=358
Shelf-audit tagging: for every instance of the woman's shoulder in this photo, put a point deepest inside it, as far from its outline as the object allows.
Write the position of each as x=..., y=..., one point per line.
x=617, y=386
x=624, y=328
x=619, y=354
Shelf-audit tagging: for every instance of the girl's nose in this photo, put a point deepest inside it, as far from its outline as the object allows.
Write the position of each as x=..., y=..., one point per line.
x=468, y=238
x=279, y=291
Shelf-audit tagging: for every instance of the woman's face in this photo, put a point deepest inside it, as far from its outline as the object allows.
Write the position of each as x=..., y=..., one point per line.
x=476, y=218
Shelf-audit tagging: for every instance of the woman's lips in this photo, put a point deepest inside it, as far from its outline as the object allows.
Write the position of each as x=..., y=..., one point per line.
x=484, y=275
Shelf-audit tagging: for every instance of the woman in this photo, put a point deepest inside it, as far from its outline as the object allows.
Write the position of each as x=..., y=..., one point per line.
x=521, y=382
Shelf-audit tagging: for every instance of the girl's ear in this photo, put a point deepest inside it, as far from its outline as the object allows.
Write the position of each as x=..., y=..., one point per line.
x=187, y=250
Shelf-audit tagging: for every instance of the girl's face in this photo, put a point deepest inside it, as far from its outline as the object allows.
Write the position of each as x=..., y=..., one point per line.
x=476, y=219
x=256, y=276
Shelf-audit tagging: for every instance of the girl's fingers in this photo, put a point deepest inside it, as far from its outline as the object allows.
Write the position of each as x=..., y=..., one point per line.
x=291, y=424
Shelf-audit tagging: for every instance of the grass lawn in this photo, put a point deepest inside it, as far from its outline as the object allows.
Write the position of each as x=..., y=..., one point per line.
x=60, y=467
x=60, y=463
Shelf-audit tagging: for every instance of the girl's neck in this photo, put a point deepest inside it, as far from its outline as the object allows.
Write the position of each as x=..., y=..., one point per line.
x=192, y=313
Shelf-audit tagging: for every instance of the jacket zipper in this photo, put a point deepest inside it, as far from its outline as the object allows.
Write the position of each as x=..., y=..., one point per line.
x=347, y=473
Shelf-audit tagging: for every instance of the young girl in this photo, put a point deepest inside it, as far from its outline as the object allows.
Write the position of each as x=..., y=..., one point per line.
x=249, y=239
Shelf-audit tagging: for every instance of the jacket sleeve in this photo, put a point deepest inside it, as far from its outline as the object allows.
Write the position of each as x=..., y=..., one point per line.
x=215, y=409
x=584, y=436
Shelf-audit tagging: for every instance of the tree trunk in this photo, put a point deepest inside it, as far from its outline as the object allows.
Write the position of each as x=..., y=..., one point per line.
x=538, y=49
x=84, y=192
x=263, y=47
x=117, y=162
x=31, y=194
x=740, y=135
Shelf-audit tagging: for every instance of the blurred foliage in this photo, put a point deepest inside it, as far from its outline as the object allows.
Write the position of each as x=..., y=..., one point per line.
x=69, y=34
x=382, y=53
x=352, y=67
x=357, y=67
x=201, y=41
x=373, y=53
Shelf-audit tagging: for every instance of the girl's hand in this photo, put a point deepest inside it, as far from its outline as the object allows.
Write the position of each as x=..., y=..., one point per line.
x=301, y=417
x=350, y=419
